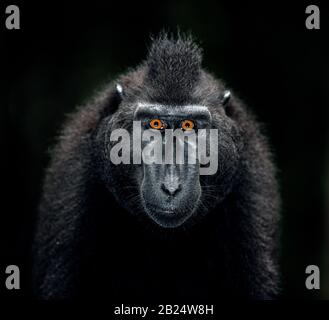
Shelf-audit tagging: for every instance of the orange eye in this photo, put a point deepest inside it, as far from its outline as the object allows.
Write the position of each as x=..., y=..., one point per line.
x=187, y=125
x=157, y=124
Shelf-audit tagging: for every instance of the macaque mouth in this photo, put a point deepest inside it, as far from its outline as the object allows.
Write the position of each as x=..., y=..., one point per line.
x=169, y=211
x=154, y=209
x=167, y=218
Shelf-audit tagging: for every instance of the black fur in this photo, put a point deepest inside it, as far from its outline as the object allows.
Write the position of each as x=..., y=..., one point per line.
x=93, y=237
x=183, y=58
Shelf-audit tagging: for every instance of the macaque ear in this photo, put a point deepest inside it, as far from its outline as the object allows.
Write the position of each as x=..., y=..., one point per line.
x=119, y=90
x=114, y=99
x=226, y=96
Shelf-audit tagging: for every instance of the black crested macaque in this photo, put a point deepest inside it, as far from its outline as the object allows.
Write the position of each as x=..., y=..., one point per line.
x=153, y=232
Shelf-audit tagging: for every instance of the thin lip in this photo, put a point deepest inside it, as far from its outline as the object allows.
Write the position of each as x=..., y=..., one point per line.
x=159, y=210
x=151, y=209
x=165, y=218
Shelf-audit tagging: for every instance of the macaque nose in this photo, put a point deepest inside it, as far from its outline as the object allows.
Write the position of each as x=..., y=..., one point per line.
x=171, y=183
x=171, y=188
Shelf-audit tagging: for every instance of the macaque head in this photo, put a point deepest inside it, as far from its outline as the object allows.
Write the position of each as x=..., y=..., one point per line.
x=171, y=149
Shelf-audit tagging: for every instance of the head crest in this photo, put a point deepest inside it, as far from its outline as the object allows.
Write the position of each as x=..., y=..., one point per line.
x=173, y=68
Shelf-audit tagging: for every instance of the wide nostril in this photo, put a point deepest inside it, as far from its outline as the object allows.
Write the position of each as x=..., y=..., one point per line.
x=171, y=189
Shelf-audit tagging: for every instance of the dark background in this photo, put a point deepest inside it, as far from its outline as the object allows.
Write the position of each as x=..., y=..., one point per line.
x=63, y=53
